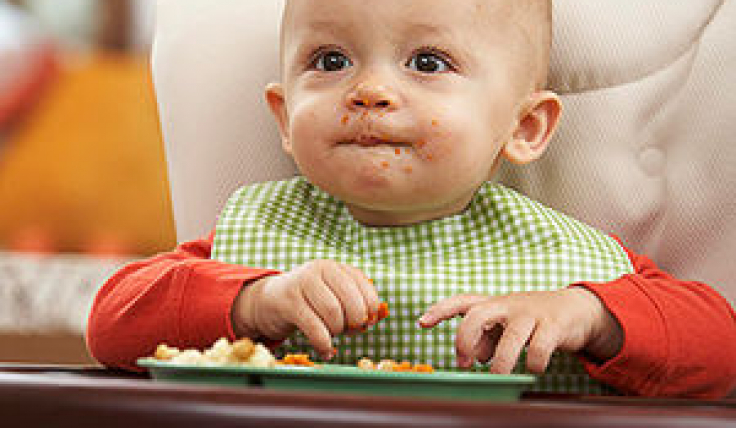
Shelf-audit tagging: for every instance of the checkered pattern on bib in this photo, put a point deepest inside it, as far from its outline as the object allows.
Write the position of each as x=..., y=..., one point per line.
x=502, y=243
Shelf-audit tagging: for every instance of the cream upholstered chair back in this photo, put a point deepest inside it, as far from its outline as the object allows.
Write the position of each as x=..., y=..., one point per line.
x=646, y=148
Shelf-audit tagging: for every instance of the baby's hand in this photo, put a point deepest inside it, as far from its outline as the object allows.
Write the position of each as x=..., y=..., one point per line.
x=498, y=328
x=321, y=298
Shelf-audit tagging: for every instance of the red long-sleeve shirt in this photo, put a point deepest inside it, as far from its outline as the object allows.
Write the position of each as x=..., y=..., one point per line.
x=679, y=336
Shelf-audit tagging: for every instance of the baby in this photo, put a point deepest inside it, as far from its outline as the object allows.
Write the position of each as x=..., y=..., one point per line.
x=398, y=113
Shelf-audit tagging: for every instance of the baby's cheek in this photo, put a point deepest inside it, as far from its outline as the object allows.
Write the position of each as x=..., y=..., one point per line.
x=309, y=127
x=440, y=146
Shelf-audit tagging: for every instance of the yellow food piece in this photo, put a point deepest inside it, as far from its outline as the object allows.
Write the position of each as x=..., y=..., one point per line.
x=242, y=352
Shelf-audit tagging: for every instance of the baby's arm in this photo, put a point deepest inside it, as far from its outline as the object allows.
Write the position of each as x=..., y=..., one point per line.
x=668, y=337
x=181, y=297
x=680, y=336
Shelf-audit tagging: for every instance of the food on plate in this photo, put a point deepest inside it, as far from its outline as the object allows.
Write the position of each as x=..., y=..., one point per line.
x=393, y=366
x=297, y=360
x=245, y=353
x=364, y=363
x=242, y=352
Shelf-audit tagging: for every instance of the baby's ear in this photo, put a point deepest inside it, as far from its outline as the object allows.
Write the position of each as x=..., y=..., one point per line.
x=277, y=104
x=535, y=128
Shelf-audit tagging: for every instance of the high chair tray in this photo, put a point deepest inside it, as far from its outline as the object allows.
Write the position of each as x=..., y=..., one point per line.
x=348, y=379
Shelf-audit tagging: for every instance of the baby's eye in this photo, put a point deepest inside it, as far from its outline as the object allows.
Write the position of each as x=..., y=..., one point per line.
x=429, y=62
x=331, y=61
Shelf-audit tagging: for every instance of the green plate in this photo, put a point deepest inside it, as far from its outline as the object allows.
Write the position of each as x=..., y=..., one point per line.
x=348, y=379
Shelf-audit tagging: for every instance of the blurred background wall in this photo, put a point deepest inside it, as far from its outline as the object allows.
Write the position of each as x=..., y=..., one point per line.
x=81, y=157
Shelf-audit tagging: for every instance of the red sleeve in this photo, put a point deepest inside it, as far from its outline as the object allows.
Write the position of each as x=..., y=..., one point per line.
x=182, y=298
x=679, y=336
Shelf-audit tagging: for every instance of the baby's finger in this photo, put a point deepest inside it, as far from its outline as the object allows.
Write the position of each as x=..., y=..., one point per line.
x=487, y=345
x=339, y=279
x=449, y=308
x=515, y=336
x=470, y=331
x=324, y=303
x=543, y=343
x=367, y=290
x=315, y=331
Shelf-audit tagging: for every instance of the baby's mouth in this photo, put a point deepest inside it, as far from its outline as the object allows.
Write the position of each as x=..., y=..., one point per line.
x=374, y=141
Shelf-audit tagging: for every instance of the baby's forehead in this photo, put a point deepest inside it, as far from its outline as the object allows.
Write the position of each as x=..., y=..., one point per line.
x=488, y=14
x=473, y=18
x=517, y=26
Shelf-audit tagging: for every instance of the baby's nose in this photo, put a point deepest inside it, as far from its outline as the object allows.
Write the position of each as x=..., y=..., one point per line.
x=373, y=97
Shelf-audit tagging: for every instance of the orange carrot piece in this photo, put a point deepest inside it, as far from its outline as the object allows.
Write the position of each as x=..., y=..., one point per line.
x=383, y=311
x=423, y=368
x=403, y=366
x=297, y=360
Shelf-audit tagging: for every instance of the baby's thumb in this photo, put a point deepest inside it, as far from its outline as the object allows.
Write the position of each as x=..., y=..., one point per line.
x=449, y=308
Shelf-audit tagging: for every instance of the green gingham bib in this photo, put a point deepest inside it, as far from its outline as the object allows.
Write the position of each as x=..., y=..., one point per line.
x=502, y=243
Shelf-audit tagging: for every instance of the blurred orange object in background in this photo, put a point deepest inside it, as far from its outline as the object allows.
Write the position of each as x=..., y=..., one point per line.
x=86, y=171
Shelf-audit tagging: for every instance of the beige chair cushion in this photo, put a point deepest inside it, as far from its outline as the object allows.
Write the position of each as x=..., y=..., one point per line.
x=645, y=150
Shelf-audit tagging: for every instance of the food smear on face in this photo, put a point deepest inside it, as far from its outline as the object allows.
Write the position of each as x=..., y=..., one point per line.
x=385, y=165
x=397, y=151
x=435, y=122
x=408, y=169
x=345, y=120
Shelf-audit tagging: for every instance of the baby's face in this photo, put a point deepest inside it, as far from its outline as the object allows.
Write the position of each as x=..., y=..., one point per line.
x=399, y=108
